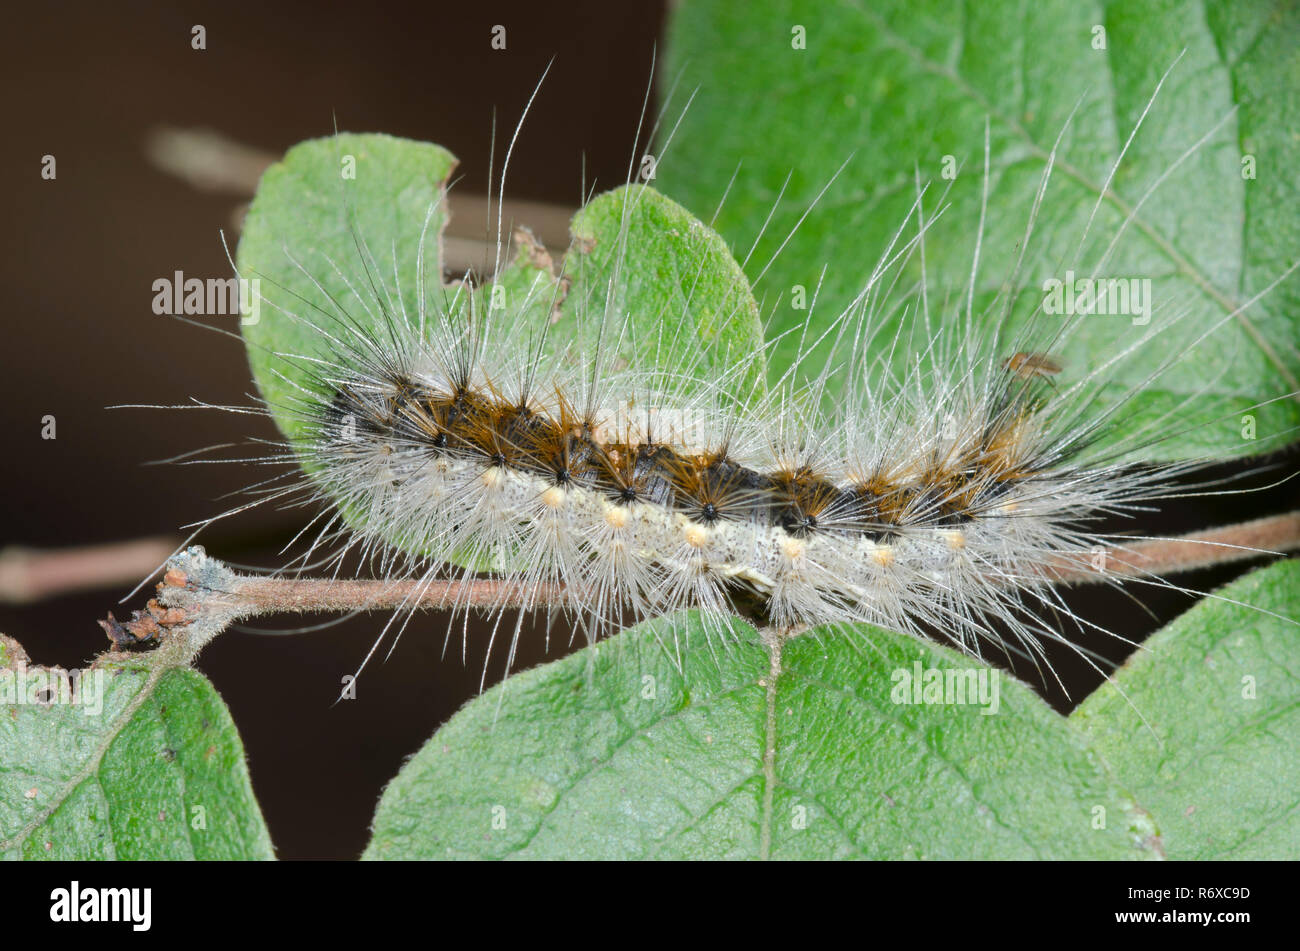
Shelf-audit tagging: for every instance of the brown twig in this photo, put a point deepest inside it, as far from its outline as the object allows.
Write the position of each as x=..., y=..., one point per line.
x=213, y=162
x=1156, y=557
x=31, y=574
x=263, y=596
x=199, y=597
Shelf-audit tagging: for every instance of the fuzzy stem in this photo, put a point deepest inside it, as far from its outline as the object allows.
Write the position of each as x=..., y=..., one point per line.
x=1155, y=557
x=299, y=595
x=1215, y=546
x=199, y=597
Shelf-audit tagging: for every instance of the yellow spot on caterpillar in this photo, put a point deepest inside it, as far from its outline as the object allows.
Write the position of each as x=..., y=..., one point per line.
x=616, y=516
x=493, y=477
x=697, y=536
x=956, y=540
x=553, y=498
x=883, y=556
x=793, y=548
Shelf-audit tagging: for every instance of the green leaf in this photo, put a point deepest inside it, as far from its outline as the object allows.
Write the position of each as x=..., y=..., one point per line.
x=300, y=241
x=690, y=307
x=146, y=764
x=1204, y=730
x=625, y=751
x=901, y=85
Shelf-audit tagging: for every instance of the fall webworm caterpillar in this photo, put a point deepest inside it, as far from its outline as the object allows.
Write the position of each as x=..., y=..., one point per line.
x=625, y=464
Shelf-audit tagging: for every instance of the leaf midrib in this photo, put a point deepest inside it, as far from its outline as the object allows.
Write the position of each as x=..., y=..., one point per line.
x=767, y=774
x=91, y=767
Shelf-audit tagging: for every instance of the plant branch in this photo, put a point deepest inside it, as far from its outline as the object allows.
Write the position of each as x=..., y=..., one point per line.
x=261, y=596
x=199, y=597
x=31, y=574
x=1155, y=557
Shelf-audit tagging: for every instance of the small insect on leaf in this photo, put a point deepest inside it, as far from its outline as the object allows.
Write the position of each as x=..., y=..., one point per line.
x=1029, y=366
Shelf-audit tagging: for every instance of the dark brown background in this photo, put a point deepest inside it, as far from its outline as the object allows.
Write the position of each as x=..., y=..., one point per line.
x=87, y=83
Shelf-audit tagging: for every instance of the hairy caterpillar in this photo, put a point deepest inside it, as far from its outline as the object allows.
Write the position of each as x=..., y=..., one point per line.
x=624, y=464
